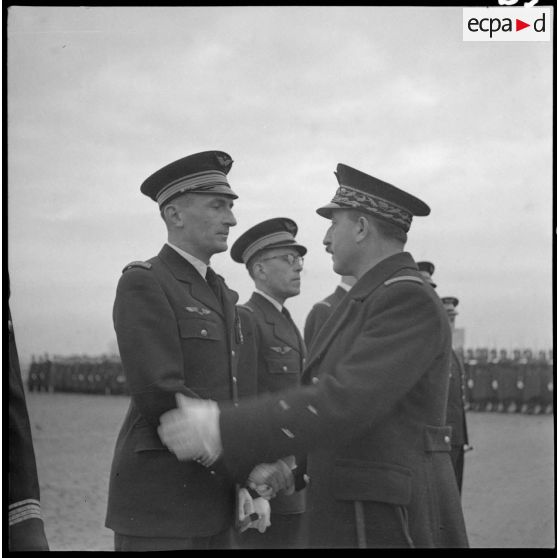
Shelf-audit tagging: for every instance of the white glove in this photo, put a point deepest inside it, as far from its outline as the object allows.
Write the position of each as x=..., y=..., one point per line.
x=253, y=513
x=191, y=431
x=267, y=479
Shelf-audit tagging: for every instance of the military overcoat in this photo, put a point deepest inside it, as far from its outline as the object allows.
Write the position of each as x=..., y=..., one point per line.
x=173, y=337
x=372, y=417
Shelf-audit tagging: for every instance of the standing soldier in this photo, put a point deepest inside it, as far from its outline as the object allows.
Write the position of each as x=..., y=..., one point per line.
x=532, y=380
x=321, y=311
x=25, y=524
x=470, y=363
x=456, y=401
x=482, y=388
x=507, y=384
x=493, y=371
x=178, y=332
x=273, y=350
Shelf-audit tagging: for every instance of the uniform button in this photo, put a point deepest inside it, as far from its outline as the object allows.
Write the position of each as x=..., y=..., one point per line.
x=315, y=380
x=233, y=353
x=211, y=472
x=234, y=379
x=235, y=403
x=447, y=439
x=285, y=368
x=204, y=332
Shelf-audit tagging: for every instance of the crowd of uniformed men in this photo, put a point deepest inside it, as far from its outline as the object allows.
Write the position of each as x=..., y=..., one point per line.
x=78, y=374
x=495, y=380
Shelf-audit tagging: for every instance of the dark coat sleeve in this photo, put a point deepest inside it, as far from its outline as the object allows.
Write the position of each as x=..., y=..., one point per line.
x=358, y=385
x=26, y=529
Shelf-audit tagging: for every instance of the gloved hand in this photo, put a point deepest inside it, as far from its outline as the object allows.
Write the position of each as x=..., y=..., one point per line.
x=267, y=479
x=191, y=431
x=253, y=513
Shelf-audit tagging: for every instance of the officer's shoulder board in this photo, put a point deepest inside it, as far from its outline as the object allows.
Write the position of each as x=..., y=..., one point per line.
x=400, y=278
x=140, y=264
x=324, y=302
x=246, y=307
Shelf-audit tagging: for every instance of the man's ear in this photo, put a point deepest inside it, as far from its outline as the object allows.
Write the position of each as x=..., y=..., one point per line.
x=363, y=228
x=172, y=215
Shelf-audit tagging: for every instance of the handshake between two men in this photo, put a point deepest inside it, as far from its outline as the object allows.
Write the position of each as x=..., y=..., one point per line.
x=191, y=432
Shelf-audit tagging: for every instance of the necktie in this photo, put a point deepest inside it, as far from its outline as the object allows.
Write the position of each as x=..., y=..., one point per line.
x=213, y=282
x=287, y=314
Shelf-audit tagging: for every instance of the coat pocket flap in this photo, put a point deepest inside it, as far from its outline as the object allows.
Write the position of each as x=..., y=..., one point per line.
x=196, y=328
x=283, y=366
x=437, y=438
x=373, y=481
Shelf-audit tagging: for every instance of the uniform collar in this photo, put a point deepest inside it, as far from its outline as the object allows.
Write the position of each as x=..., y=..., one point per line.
x=199, y=266
x=270, y=298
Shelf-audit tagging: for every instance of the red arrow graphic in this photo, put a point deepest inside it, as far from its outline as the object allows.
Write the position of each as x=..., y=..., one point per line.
x=519, y=25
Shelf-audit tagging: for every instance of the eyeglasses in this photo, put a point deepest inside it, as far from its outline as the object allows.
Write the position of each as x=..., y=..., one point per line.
x=291, y=259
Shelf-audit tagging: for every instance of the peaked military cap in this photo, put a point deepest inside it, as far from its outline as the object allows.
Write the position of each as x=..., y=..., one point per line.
x=427, y=270
x=278, y=232
x=361, y=191
x=450, y=303
x=202, y=173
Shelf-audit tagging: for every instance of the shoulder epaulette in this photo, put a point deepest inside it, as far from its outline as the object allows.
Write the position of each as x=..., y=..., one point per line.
x=245, y=307
x=324, y=302
x=144, y=265
x=403, y=278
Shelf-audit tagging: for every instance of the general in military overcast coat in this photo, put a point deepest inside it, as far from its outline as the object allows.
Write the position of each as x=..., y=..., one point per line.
x=372, y=418
x=173, y=337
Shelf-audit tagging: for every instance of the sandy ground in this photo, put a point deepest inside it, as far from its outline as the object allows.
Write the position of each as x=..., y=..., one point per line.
x=508, y=493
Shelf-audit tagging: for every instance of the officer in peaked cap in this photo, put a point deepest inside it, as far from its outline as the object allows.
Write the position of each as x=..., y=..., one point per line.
x=202, y=173
x=178, y=332
x=450, y=303
x=273, y=348
x=370, y=415
x=455, y=413
x=427, y=269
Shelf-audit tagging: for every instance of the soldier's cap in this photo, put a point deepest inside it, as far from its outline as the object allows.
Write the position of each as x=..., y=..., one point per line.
x=361, y=191
x=278, y=232
x=427, y=270
x=200, y=173
x=450, y=303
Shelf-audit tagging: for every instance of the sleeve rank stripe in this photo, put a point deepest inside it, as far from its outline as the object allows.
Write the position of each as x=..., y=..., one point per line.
x=23, y=502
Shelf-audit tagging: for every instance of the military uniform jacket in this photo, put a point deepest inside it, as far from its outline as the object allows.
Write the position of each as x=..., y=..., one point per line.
x=173, y=337
x=372, y=416
x=276, y=352
x=26, y=529
x=456, y=403
x=320, y=313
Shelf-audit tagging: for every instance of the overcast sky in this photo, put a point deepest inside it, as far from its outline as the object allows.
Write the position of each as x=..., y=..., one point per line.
x=99, y=98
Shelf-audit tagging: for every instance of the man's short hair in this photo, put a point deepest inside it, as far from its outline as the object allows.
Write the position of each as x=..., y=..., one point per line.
x=385, y=228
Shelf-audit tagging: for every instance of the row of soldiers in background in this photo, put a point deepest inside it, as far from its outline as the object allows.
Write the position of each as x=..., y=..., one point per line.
x=495, y=381
x=517, y=383
x=78, y=374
